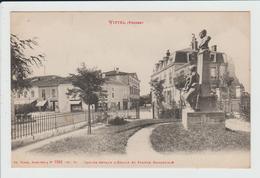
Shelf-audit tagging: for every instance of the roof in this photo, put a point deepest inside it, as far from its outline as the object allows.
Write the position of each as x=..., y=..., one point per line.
x=41, y=103
x=114, y=72
x=49, y=80
x=115, y=82
x=186, y=50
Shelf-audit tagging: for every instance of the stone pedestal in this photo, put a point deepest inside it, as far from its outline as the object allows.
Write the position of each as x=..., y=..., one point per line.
x=201, y=120
x=208, y=113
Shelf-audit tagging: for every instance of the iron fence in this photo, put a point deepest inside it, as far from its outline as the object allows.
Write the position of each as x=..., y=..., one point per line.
x=28, y=125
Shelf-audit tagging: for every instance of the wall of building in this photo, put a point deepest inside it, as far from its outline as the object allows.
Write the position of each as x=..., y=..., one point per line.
x=64, y=105
x=26, y=95
x=116, y=94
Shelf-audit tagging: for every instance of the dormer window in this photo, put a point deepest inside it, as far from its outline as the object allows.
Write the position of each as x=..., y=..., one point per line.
x=213, y=73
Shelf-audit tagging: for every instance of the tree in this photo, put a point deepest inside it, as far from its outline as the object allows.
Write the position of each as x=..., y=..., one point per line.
x=22, y=62
x=157, y=88
x=228, y=81
x=179, y=83
x=145, y=99
x=87, y=85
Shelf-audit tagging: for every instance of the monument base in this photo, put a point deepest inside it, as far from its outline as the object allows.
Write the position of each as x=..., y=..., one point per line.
x=200, y=120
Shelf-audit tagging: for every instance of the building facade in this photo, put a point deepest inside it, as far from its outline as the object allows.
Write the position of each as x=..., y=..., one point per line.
x=175, y=64
x=49, y=93
x=130, y=94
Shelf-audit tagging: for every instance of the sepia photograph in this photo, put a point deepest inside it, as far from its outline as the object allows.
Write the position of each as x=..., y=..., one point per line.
x=130, y=89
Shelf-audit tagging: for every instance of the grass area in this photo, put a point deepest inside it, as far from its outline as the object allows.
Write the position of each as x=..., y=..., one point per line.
x=174, y=138
x=108, y=139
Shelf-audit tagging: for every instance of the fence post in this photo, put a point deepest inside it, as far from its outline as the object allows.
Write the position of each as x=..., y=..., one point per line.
x=32, y=125
x=85, y=114
x=73, y=121
x=55, y=122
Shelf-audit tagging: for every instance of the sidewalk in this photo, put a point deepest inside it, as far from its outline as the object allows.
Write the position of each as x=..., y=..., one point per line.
x=238, y=125
x=32, y=146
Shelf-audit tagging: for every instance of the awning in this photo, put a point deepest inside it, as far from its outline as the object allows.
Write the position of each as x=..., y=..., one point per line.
x=75, y=101
x=23, y=101
x=41, y=103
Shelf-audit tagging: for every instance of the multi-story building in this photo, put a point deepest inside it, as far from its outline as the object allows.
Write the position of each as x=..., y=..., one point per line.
x=49, y=93
x=176, y=63
x=130, y=80
x=117, y=94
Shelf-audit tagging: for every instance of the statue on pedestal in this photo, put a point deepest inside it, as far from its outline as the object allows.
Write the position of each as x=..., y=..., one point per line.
x=204, y=41
x=191, y=88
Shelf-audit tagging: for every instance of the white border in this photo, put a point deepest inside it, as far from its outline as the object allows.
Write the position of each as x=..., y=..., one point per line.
x=8, y=172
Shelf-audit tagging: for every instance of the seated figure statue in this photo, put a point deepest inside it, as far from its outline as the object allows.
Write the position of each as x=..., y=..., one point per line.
x=191, y=88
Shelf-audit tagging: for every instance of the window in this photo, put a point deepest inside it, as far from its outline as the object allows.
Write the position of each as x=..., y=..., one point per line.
x=43, y=94
x=213, y=74
x=113, y=95
x=212, y=57
x=25, y=94
x=32, y=94
x=53, y=93
x=19, y=94
x=181, y=57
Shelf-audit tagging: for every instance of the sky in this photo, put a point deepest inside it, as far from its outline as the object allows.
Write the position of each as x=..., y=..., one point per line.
x=69, y=38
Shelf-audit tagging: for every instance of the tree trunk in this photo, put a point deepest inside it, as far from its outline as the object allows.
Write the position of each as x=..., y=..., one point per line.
x=180, y=114
x=89, y=120
x=229, y=103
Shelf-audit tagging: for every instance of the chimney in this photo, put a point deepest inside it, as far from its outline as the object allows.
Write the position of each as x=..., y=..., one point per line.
x=194, y=42
x=117, y=70
x=214, y=48
x=168, y=53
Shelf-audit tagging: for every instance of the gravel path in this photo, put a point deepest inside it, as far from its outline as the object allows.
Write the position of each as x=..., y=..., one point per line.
x=139, y=144
x=238, y=125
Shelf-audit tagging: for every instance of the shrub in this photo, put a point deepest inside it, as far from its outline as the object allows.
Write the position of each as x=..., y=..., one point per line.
x=117, y=121
x=25, y=109
x=170, y=113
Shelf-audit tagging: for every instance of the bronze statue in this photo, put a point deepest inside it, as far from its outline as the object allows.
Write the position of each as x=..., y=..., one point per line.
x=204, y=41
x=191, y=88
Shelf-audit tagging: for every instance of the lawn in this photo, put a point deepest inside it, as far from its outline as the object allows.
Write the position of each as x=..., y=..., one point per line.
x=108, y=139
x=174, y=138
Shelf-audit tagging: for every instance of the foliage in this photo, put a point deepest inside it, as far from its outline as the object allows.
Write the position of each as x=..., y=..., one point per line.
x=179, y=82
x=21, y=63
x=102, y=97
x=145, y=99
x=87, y=84
x=245, y=105
x=227, y=79
x=157, y=88
x=25, y=109
x=117, y=121
x=170, y=113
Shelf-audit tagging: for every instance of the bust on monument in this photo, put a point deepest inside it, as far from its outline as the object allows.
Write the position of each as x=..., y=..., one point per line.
x=204, y=41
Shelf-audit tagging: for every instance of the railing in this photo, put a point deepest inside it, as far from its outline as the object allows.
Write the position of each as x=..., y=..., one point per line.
x=28, y=125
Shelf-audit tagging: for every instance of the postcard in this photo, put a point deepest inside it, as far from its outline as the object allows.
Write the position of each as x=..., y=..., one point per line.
x=130, y=89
